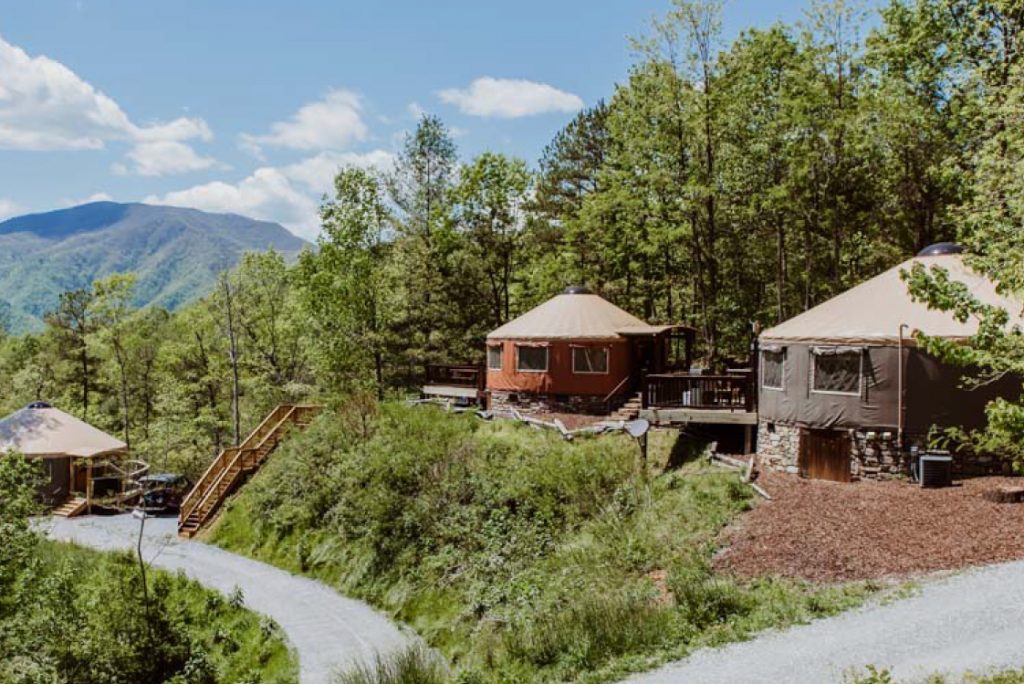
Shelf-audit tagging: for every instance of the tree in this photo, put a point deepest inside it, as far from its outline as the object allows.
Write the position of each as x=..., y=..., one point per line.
x=72, y=325
x=489, y=210
x=226, y=307
x=347, y=284
x=112, y=316
x=420, y=188
x=269, y=324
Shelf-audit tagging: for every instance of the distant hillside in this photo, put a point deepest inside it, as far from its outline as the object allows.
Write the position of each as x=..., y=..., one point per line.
x=175, y=252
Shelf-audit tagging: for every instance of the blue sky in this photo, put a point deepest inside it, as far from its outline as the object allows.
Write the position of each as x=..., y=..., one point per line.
x=250, y=106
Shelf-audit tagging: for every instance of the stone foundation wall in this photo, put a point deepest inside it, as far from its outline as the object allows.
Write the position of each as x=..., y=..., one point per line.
x=873, y=453
x=561, y=403
x=778, y=446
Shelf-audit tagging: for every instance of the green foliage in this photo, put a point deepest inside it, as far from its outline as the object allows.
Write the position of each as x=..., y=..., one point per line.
x=521, y=556
x=413, y=665
x=70, y=615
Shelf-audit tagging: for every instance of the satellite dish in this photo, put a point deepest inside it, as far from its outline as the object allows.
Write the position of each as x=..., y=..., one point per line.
x=638, y=428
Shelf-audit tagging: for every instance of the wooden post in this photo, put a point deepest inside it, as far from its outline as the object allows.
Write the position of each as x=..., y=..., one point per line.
x=88, y=487
x=748, y=439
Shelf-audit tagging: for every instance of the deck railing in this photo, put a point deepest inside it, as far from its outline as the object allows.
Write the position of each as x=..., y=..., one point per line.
x=464, y=375
x=727, y=392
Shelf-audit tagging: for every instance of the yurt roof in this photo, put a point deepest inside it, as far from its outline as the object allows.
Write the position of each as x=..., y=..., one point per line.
x=576, y=314
x=872, y=312
x=41, y=430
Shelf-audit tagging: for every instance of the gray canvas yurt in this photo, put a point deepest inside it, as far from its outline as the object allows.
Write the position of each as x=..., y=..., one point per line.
x=844, y=392
x=67, y=446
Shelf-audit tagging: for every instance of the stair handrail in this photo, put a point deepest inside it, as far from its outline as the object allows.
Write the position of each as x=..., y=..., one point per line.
x=240, y=451
x=270, y=427
x=217, y=467
x=608, y=398
x=209, y=479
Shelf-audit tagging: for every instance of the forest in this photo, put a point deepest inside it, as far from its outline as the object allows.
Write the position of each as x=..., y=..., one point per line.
x=724, y=186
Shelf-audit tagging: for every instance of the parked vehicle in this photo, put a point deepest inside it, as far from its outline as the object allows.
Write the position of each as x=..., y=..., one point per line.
x=164, y=492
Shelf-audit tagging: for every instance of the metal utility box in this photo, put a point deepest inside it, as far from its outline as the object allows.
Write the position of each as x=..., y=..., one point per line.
x=935, y=469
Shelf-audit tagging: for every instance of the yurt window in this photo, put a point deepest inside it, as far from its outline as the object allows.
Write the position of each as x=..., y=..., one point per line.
x=531, y=359
x=837, y=370
x=590, y=360
x=494, y=356
x=773, y=368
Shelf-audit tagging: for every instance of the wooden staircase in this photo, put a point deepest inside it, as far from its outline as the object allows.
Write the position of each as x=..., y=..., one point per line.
x=629, y=410
x=235, y=464
x=76, y=505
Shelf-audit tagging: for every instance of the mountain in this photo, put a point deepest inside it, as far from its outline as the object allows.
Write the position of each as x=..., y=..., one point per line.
x=176, y=253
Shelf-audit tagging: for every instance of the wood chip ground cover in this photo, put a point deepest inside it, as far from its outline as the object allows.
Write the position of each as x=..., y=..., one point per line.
x=833, y=532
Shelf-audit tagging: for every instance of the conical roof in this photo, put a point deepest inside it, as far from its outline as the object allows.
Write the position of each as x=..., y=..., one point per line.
x=41, y=430
x=574, y=315
x=872, y=312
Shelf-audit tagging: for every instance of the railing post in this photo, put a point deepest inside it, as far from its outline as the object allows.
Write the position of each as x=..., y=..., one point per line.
x=644, y=400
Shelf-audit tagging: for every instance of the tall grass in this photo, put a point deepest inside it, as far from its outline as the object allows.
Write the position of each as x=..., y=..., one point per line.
x=520, y=556
x=416, y=664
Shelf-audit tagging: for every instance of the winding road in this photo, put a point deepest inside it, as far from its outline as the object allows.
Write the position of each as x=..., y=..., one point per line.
x=328, y=631
x=970, y=622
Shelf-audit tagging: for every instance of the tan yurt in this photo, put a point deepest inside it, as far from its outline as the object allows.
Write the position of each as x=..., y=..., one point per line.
x=843, y=390
x=67, y=446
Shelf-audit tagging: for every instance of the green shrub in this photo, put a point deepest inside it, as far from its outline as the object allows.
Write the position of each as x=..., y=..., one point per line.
x=519, y=555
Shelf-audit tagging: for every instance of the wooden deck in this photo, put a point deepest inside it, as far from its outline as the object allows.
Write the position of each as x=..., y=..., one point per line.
x=684, y=416
x=450, y=391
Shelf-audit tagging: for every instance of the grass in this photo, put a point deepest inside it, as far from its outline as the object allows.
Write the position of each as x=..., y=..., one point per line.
x=414, y=665
x=876, y=675
x=239, y=646
x=520, y=556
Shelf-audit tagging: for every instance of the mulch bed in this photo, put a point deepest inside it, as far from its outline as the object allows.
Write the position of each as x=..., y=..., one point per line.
x=833, y=532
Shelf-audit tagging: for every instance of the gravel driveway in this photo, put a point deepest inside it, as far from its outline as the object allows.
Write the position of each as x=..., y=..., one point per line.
x=970, y=622
x=327, y=630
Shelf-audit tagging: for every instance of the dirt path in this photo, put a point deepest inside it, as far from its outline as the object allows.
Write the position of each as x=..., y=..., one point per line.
x=970, y=622
x=327, y=630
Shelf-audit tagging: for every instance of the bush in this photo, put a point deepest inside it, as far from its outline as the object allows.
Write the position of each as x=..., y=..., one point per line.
x=520, y=556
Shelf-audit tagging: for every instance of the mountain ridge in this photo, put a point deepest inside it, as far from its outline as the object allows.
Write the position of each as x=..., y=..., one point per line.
x=176, y=252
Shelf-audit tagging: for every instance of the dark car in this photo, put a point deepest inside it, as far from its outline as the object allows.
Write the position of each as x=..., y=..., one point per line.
x=163, y=492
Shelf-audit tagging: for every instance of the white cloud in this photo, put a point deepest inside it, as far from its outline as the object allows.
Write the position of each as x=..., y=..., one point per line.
x=509, y=98
x=317, y=173
x=9, y=208
x=289, y=195
x=415, y=110
x=94, y=197
x=44, y=106
x=335, y=122
x=163, y=157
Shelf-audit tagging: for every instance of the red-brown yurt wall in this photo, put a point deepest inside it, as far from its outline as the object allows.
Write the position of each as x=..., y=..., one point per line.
x=559, y=377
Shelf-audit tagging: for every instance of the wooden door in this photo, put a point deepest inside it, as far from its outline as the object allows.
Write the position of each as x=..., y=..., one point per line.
x=825, y=455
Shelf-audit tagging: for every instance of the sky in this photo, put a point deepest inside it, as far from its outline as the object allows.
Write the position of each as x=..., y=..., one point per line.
x=251, y=106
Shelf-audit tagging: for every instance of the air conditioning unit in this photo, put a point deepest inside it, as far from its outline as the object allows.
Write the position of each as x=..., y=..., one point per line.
x=935, y=469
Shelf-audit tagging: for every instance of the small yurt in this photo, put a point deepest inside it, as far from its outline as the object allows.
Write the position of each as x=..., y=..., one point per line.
x=575, y=352
x=67, y=446
x=843, y=390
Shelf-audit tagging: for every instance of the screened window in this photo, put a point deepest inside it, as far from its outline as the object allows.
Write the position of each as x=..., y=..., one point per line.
x=531, y=359
x=494, y=356
x=773, y=366
x=837, y=371
x=589, y=359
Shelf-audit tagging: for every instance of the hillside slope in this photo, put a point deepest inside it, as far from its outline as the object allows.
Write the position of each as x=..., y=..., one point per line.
x=175, y=252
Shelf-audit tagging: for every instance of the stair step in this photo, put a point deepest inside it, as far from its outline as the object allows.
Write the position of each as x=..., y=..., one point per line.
x=247, y=459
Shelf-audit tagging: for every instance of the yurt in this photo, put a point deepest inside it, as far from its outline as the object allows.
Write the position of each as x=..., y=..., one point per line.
x=844, y=392
x=575, y=352
x=67, y=446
